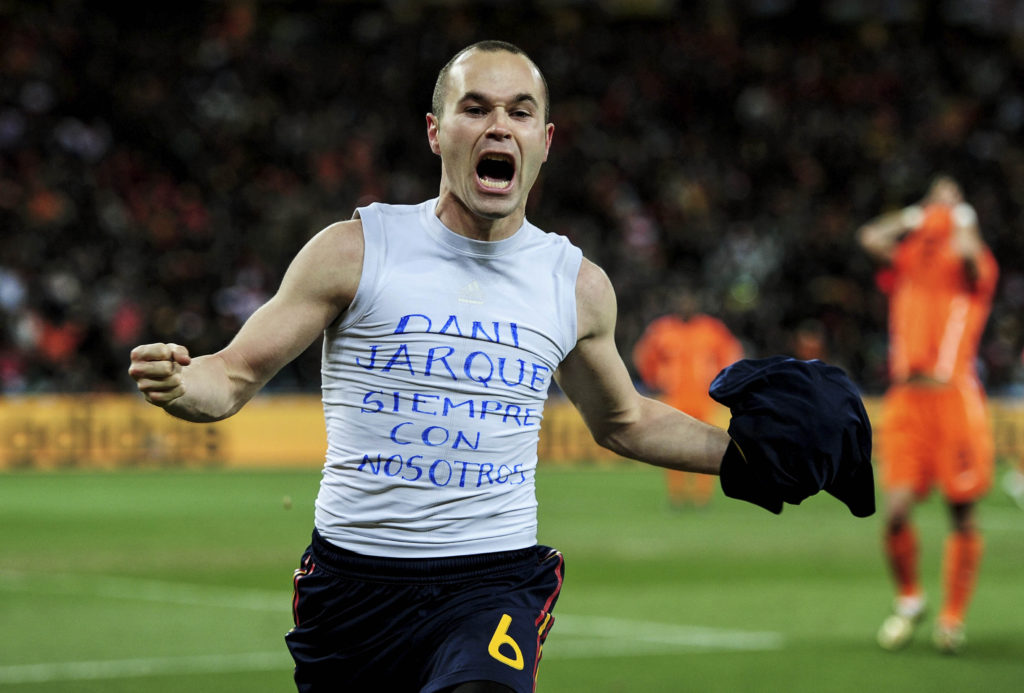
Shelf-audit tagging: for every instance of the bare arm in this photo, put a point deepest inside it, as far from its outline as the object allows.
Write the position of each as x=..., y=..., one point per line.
x=881, y=235
x=595, y=379
x=318, y=285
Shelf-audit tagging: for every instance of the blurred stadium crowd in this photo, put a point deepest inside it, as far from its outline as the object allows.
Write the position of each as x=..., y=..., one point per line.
x=161, y=163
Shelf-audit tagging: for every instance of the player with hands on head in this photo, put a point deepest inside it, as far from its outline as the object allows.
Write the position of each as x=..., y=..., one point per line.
x=443, y=325
x=935, y=432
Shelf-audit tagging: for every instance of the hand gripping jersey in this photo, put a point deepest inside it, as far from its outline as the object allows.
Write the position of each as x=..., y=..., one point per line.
x=434, y=383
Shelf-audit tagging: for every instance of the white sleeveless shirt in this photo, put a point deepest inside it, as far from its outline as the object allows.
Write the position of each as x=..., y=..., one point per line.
x=434, y=383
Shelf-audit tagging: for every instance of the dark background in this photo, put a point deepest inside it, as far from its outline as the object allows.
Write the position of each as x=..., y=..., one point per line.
x=161, y=163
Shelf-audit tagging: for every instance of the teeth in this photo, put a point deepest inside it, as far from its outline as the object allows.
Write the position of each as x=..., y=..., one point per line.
x=495, y=184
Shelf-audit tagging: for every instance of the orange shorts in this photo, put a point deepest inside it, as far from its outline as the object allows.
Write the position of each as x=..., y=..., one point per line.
x=937, y=436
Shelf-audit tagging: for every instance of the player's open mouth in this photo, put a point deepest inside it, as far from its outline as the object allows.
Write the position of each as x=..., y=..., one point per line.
x=495, y=171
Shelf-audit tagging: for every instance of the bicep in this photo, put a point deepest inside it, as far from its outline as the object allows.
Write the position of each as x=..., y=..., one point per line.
x=594, y=376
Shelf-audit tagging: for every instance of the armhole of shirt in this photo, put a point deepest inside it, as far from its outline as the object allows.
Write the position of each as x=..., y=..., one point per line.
x=373, y=252
x=571, y=265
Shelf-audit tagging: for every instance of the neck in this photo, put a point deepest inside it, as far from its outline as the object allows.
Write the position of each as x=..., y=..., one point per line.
x=454, y=214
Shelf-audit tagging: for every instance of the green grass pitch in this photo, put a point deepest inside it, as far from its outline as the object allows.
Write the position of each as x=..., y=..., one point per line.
x=162, y=581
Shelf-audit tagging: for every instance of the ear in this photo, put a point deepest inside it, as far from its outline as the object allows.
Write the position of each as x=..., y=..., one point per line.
x=433, y=123
x=549, y=134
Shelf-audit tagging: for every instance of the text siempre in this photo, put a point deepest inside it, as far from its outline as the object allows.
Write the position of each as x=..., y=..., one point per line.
x=494, y=368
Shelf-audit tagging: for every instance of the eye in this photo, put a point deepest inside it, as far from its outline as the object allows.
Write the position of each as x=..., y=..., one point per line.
x=475, y=110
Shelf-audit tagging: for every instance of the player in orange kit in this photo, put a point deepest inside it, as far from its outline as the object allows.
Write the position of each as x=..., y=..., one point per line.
x=935, y=427
x=678, y=355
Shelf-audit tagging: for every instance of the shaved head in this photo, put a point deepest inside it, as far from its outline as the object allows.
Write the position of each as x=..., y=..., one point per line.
x=441, y=86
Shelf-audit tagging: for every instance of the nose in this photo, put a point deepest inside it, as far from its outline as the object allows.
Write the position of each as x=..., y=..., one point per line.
x=499, y=125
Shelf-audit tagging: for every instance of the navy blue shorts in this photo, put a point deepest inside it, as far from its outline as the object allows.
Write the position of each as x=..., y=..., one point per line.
x=394, y=624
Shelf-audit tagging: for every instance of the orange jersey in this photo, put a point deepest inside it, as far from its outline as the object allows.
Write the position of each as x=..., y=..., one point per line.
x=936, y=316
x=680, y=358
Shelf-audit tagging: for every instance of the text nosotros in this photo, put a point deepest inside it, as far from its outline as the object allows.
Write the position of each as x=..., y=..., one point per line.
x=441, y=472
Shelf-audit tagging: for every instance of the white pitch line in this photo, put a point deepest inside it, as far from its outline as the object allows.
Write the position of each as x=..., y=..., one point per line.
x=584, y=637
x=49, y=672
x=576, y=636
x=629, y=636
x=114, y=587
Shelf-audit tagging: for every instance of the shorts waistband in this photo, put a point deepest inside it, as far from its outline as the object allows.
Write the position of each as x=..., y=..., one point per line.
x=339, y=561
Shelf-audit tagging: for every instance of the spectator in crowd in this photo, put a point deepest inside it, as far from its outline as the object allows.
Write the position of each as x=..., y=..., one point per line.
x=708, y=140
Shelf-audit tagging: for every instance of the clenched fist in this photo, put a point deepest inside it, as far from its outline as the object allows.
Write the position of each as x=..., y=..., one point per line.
x=156, y=369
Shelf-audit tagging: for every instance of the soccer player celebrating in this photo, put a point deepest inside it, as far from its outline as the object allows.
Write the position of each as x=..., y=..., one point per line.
x=443, y=325
x=935, y=429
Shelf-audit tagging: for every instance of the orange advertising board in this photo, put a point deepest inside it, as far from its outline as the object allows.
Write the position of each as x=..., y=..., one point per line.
x=122, y=431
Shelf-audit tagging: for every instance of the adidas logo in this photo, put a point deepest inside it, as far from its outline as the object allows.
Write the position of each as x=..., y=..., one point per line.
x=471, y=293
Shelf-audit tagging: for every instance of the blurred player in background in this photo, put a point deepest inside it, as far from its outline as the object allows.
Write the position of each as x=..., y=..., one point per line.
x=935, y=429
x=678, y=356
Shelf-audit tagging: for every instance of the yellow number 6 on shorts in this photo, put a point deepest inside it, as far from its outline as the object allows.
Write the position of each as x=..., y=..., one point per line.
x=500, y=638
